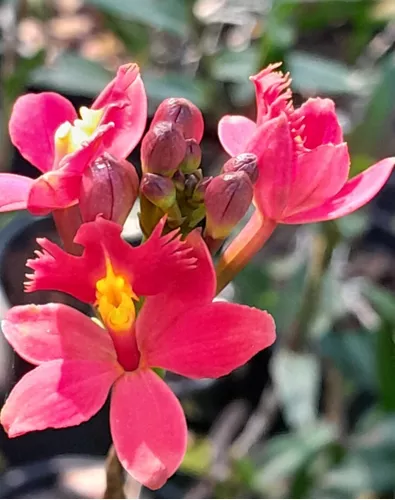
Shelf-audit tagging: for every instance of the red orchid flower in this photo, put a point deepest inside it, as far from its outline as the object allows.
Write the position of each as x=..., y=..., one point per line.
x=49, y=134
x=303, y=164
x=179, y=328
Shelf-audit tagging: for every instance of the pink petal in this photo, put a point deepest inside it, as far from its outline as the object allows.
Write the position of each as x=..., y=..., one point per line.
x=148, y=427
x=58, y=394
x=210, y=341
x=319, y=175
x=61, y=188
x=321, y=125
x=33, y=123
x=14, y=192
x=126, y=100
x=184, y=290
x=356, y=192
x=55, y=331
x=148, y=267
x=234, y=132
x=273, y=145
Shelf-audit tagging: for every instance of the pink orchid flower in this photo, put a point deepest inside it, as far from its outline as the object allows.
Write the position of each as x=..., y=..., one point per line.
x=49, y=134
x=179, y=328
x=303, y=164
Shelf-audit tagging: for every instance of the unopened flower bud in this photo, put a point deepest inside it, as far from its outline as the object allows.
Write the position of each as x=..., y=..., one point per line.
x=245, y=162
x=200, y=190
x=158, y=190
x=179, y=180
x=193, y=157
x=227, y=199
x=191, y=181
x=163, y=149
x=110, y=188
x=184, y=114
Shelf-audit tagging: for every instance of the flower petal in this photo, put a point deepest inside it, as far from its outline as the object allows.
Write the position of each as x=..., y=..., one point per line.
x=210, y=341
x=58, y=394
x=234, y=133
x=149, y=267
x=319, y=175
x=130, y=115
x=185, y=289
x=14, y=192
x=148, y=427
x=33, y=123
x=55, y=331
x=273, y=145
x=61, y=188
x=356, y=192
x=321, y=125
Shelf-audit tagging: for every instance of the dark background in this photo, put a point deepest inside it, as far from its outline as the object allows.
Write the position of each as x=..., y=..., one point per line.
x=313, y=417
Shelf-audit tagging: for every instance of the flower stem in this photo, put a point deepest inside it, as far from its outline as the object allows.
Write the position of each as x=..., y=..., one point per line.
x=114, y=476
x=241, y=250
x=323, y=248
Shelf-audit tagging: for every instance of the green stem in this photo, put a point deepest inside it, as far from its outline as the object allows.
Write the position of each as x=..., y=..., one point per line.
x=324, y=245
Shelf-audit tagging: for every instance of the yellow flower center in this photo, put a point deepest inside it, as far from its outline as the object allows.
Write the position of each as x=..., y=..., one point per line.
x=114, y=300
x=69, y=137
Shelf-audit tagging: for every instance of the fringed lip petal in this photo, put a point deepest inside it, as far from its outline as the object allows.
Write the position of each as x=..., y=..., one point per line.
x=234, y=132
x=320, y=123
x=58, y=394
x=184, y=290
x=33, y=123
x=55, y=269
x=126, y=102
x=55, y=331
x=149, y=266
x=210, y=341
x=60, y=188
x=148, y=427
x=14, y=192
x=356, y=192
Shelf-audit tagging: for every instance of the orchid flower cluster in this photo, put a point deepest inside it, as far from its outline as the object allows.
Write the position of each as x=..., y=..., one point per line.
x=153, y=306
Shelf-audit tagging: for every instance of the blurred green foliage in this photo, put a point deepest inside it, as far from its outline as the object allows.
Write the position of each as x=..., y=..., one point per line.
x=336, y=391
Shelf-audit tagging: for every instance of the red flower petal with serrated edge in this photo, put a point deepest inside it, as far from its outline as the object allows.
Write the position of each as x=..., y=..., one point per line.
x=149, y=267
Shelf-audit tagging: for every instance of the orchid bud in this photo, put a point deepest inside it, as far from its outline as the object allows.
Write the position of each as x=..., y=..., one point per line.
x=200, y=189
x=245, y=162
x=193, y=157
x=179, y=180
x=227, y=199
x=191, y=181
x=110, y=188
x=163, y=149
x=184, y=114
x=158, y=190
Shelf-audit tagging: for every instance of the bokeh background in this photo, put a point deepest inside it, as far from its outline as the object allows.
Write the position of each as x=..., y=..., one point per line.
x=313, y=417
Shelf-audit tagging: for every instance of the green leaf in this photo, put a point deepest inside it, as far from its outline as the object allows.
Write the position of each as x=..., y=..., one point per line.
x=72, y=74
x=368, y=467
x=166, y=15
x=353, y=354
x=374, y=132
x=314, y=74
x=386, y=365
x=230, y=66
x=160, y=87
x=296, y=377
x=382, y=300
x=283, y=455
